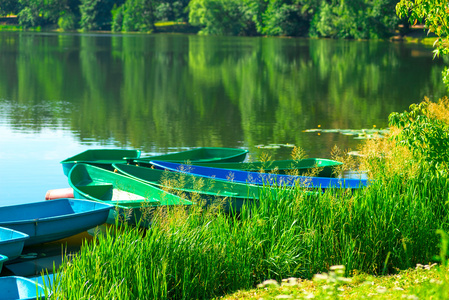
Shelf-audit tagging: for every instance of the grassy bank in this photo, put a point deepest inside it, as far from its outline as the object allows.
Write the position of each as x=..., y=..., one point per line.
x=422, y=282
x=202, y=253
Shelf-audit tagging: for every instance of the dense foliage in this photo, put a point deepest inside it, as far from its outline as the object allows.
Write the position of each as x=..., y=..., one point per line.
x=325, y=18
x=433, y=14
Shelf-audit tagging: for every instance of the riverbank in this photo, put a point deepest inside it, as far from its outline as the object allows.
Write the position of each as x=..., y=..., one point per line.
x=414, y=34
x=10, y=23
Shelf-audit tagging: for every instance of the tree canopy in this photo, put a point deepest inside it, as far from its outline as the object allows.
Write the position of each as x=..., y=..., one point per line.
x=434, y=15
x=359, y=19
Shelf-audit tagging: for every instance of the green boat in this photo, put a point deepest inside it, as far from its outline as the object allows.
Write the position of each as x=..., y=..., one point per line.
x=99, y=157
x=134, y=199
x=106, y=157
x=202, y=154
x=209, y=191
x=322, y=167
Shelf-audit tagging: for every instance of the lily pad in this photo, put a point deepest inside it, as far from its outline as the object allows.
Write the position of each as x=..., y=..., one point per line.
x=313, y=130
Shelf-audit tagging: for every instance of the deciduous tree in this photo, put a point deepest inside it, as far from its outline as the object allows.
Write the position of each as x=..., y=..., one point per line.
x=434, y=15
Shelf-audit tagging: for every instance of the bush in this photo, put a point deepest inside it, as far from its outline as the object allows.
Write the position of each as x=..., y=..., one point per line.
x=67, y=22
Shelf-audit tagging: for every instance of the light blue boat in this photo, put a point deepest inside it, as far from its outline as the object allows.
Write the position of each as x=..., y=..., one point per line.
x=20, y=288
x=259, y=178
x=47, y=221
x=12, y=242
x=3, y=258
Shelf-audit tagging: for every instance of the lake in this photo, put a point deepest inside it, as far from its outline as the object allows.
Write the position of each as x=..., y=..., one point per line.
x=61, y=94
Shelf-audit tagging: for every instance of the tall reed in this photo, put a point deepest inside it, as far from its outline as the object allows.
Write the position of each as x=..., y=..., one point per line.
x=202, y=254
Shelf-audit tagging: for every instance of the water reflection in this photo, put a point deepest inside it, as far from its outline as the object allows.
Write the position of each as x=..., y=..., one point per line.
x=40, y=259
x=160, y=91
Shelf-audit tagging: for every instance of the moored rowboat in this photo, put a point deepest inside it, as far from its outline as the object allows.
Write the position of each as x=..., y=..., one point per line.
x=20, y=288
x=11, y=242
x=202, y=154
x=322, y=167
x=98, y=157
x=258, y=178
x=106, y=157
x=47, y=221
x=132, y=198
x=3, y=258
x=209, y=190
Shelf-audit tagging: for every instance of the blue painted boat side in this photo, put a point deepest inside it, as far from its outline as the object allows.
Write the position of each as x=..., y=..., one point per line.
x=262, y=178
x=11, y=242
x=20, y=288
x=52, y=220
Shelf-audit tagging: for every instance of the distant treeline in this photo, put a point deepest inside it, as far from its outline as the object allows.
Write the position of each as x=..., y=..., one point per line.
x=359, y=19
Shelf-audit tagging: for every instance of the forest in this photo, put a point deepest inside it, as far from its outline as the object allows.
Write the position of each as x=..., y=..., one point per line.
x=351, y=19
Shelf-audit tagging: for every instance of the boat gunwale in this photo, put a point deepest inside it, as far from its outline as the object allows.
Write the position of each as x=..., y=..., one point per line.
x=159, y=185
x=120, y=203
x=267, y=178
x=22, y=236
x=56, y=217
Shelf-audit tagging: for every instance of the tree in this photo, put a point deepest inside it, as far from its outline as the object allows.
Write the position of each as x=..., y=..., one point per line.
x=96, y=14
x=434, y=15
x=288, y=17
x=219, y=17
x=9, y=7
x=45, y=12
x=173, y=10
x=360, y=19
x=138, y=15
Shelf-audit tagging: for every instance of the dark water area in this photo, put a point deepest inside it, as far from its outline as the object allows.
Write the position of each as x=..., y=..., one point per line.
x=61, y=94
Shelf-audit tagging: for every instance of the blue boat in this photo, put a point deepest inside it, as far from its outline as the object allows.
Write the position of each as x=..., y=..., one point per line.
x=3, y=258
x=258, y=178
x=12, y=242
x=20, y=288
x=47, y=221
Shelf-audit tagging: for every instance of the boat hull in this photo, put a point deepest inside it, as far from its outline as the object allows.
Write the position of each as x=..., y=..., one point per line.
x=47, y=221
x=319, y=166
x=11, y=242
x=104, y=158
x=202, y=154
x=20, y=288
x=231, y=196
x=99, y=157
x=3, y=259
x=133, y=200
x=258, y=178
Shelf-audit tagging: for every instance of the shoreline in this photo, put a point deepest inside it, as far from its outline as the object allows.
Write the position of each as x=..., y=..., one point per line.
x=415, y=34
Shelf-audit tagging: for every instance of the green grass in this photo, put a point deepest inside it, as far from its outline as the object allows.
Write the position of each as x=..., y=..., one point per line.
x=422, y=282
x=384, y=230
x=18, y=28
x=204, y=254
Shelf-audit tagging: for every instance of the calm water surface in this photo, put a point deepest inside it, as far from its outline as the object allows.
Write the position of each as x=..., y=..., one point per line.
x=61, y=94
